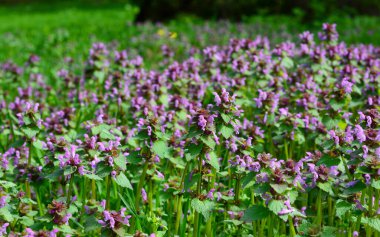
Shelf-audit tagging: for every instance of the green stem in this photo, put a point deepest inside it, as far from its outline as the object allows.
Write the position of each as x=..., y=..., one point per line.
x=199, y=189
x=319, y=208
x=140, y=186
x=179, y=201
x=237, y=189
x=83, y=197
x=150, y=196
x=93, y=190
x=286, y=149
x=292, y=230
x=330, y=211
x=40, y=208
x=68, y=198
x=109, y=179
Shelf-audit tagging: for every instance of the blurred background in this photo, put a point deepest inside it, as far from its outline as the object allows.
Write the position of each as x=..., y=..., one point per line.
x=52, y=28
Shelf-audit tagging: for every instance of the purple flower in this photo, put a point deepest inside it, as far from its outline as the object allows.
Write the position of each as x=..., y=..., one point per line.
x=210, y=194
x=3, y=229
x=369, y=121
x=347, y=86
x=217, y=99
x=360, y=135
x=144, y=195
x=202, y=122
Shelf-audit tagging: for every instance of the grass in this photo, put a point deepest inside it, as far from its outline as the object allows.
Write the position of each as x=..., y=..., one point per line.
x=65, y=30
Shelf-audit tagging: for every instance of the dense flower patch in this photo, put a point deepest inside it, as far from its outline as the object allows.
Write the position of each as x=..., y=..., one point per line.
x=242, y=139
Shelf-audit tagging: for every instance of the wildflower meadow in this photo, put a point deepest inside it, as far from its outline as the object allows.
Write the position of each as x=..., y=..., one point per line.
x=245, y=138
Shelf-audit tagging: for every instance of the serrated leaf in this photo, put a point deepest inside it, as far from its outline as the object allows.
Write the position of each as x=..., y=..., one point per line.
x=4, y=212
x=372, y=222
x=337, y=104
x=30, y=132
x=102, y=170
x=69, y=170
x=276, y=206
x=93, y=176
x=248, y=180
x=342, y=207
x=226, y=118
x=194, y=131
x=261, y=188
x=213, y=161
x=287, y=62
x=208, y=141
x=357, y=187
x=134, y=157
x=160, y=148
x=279, y=188
x=106, y=135
x=38, y=144
x=193, y=150
x=121, y=162
x=190, y=180
x=328, y=161
x=328, y=122
x=375, y=184
x=7, y=184
x=255, y=213
x=123, y=181
x=203, y=207
x=54, y=176
x=329, y=231
x=226, y=131
x=326, y=187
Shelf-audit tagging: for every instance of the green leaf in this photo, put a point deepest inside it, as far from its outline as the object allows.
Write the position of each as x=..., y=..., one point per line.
x=255, y=213
x=7, y=184
x=123, y=181
x=4, y=212
x=55, y=174
x=279, y=188
x=121, y=162
x=248, y=180
x=190, y=180
x=357, y=187
x=102, y=170
x=203, y=207
x=91, y=224
x=160, y=148
x=372, y=222
x=193, y=150
x=105, y=134
x=328, y=161
x=134, y=157
x=375, y=184
x=38, y=144
x=261, y=188
x=30, y=132
x=226, y=118
x=287, y=62
x=69, y=170
x=213, y=161
x=326, y=187
x=276, y=206
x=329, y=231
x=93, y=176
x=194, y=131
x=342, y=207
x=226, y=131
x=337, y=104
x=328, y=122
x=208, y=141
